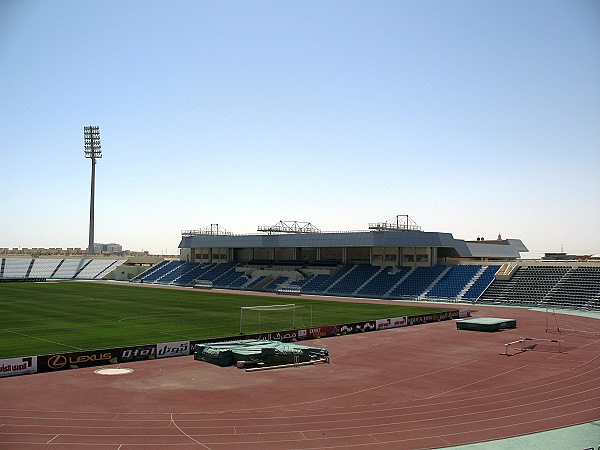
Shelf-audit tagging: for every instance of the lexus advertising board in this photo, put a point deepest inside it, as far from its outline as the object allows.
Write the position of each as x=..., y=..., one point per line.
x=62, y=361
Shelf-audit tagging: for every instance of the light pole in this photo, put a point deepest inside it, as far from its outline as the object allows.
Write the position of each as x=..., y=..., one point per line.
x=93, y=151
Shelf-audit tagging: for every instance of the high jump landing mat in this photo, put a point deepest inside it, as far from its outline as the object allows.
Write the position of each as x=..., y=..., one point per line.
x=486, y=324
x=257, y=352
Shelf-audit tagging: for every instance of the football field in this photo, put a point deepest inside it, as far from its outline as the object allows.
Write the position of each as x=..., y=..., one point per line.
x=51, y=317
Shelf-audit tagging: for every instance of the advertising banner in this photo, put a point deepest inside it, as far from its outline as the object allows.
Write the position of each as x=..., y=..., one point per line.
x=18, y=366
x=395, y=322
x=182, y=348
x=74, y=360
x=435, y=317
x=283, y=336
x=137, y=353
x=358, y=327
x=318, y=332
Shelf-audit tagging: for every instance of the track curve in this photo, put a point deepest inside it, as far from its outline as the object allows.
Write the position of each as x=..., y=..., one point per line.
x=426, y=386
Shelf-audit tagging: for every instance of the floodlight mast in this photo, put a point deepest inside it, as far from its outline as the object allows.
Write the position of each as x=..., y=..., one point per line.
x=93, y=151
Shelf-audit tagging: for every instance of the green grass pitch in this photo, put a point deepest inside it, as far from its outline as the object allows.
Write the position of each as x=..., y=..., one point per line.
x=45, y=318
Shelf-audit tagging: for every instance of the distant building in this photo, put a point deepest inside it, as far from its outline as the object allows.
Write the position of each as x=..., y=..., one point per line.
x=565, y=257
x=108, y=248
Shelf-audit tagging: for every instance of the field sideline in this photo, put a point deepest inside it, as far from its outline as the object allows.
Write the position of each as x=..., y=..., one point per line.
x=44, y=318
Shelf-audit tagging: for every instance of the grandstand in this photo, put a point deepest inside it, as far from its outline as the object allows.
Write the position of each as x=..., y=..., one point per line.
x=33, y=269
x=395, y=261
x=390, y=261
x=532, y=286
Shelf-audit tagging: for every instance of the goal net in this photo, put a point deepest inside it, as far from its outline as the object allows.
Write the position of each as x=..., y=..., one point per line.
x=261, y=319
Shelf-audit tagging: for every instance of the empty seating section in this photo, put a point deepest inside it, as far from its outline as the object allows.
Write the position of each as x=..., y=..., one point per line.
x=276, y=282
x=353, y=279
x=156, y=272
x=481, y=283
x=553, y=286
x=527, y=287
x=453, y=282
x=195, y=273
x=218, y=270
x=337, y=276
x=97, y=268
x=548, y=286
x=254, y=282
x=230, y=276
x=234, y=280
x=57, y=268
x=70, y=268
x=16, y=267
x=415, y=284
x=579, y=288
x=383, y=282
x=316, y=283
x=44, y=268
x=178, y=271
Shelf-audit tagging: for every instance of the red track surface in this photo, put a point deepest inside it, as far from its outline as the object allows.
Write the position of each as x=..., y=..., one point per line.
x=425, y=386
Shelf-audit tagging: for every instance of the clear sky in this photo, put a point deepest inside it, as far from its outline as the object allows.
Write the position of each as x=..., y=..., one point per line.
x=472, y=117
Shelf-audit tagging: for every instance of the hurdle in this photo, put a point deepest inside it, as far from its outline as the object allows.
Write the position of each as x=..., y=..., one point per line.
x=508, y=346
x=525, y=348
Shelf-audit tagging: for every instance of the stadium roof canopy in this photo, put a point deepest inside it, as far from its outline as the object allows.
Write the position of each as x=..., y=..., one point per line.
x=445, y=243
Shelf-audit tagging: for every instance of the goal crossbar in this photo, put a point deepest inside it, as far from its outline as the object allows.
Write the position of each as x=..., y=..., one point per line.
x=273, y=307
x=262, y=312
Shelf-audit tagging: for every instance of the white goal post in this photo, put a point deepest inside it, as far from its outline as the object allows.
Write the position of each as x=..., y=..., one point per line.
x=257, y=319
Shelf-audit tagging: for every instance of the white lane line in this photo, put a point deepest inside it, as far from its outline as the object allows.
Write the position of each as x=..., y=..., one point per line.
x=41, y=339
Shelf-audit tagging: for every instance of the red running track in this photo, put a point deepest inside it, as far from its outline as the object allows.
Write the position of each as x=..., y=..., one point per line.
x=426, y=386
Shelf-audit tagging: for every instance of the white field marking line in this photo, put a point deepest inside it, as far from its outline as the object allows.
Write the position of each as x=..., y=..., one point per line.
x=387, y=410
x=52, y=439
x=577, y=376
x=421, y=424
x=372, y=388
x=149, y=315
x=375, y=433
x=393, y=419
x=397, y=420
x=41, y=339
x=177, y=335
x=528, y=387
x=490, y=397
x=187, y=435
x=348, y=443
x=475, y=382
x=388, y=413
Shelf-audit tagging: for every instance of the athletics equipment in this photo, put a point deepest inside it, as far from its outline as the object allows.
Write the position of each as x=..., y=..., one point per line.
x=259, y=354
x=525, y=346
x=486, y=324
x=259, y=319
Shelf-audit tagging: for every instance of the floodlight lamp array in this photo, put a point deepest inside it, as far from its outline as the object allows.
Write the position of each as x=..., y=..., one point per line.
x=398, y=223
x=91, y=142
x=290, y=226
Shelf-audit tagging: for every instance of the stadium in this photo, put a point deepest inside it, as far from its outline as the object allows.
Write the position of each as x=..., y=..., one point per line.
x=431, y=385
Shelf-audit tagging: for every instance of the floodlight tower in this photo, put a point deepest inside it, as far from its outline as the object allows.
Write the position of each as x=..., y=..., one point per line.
x=93, y=151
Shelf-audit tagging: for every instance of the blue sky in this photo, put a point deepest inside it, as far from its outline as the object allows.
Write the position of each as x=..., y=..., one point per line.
x=472, y=117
